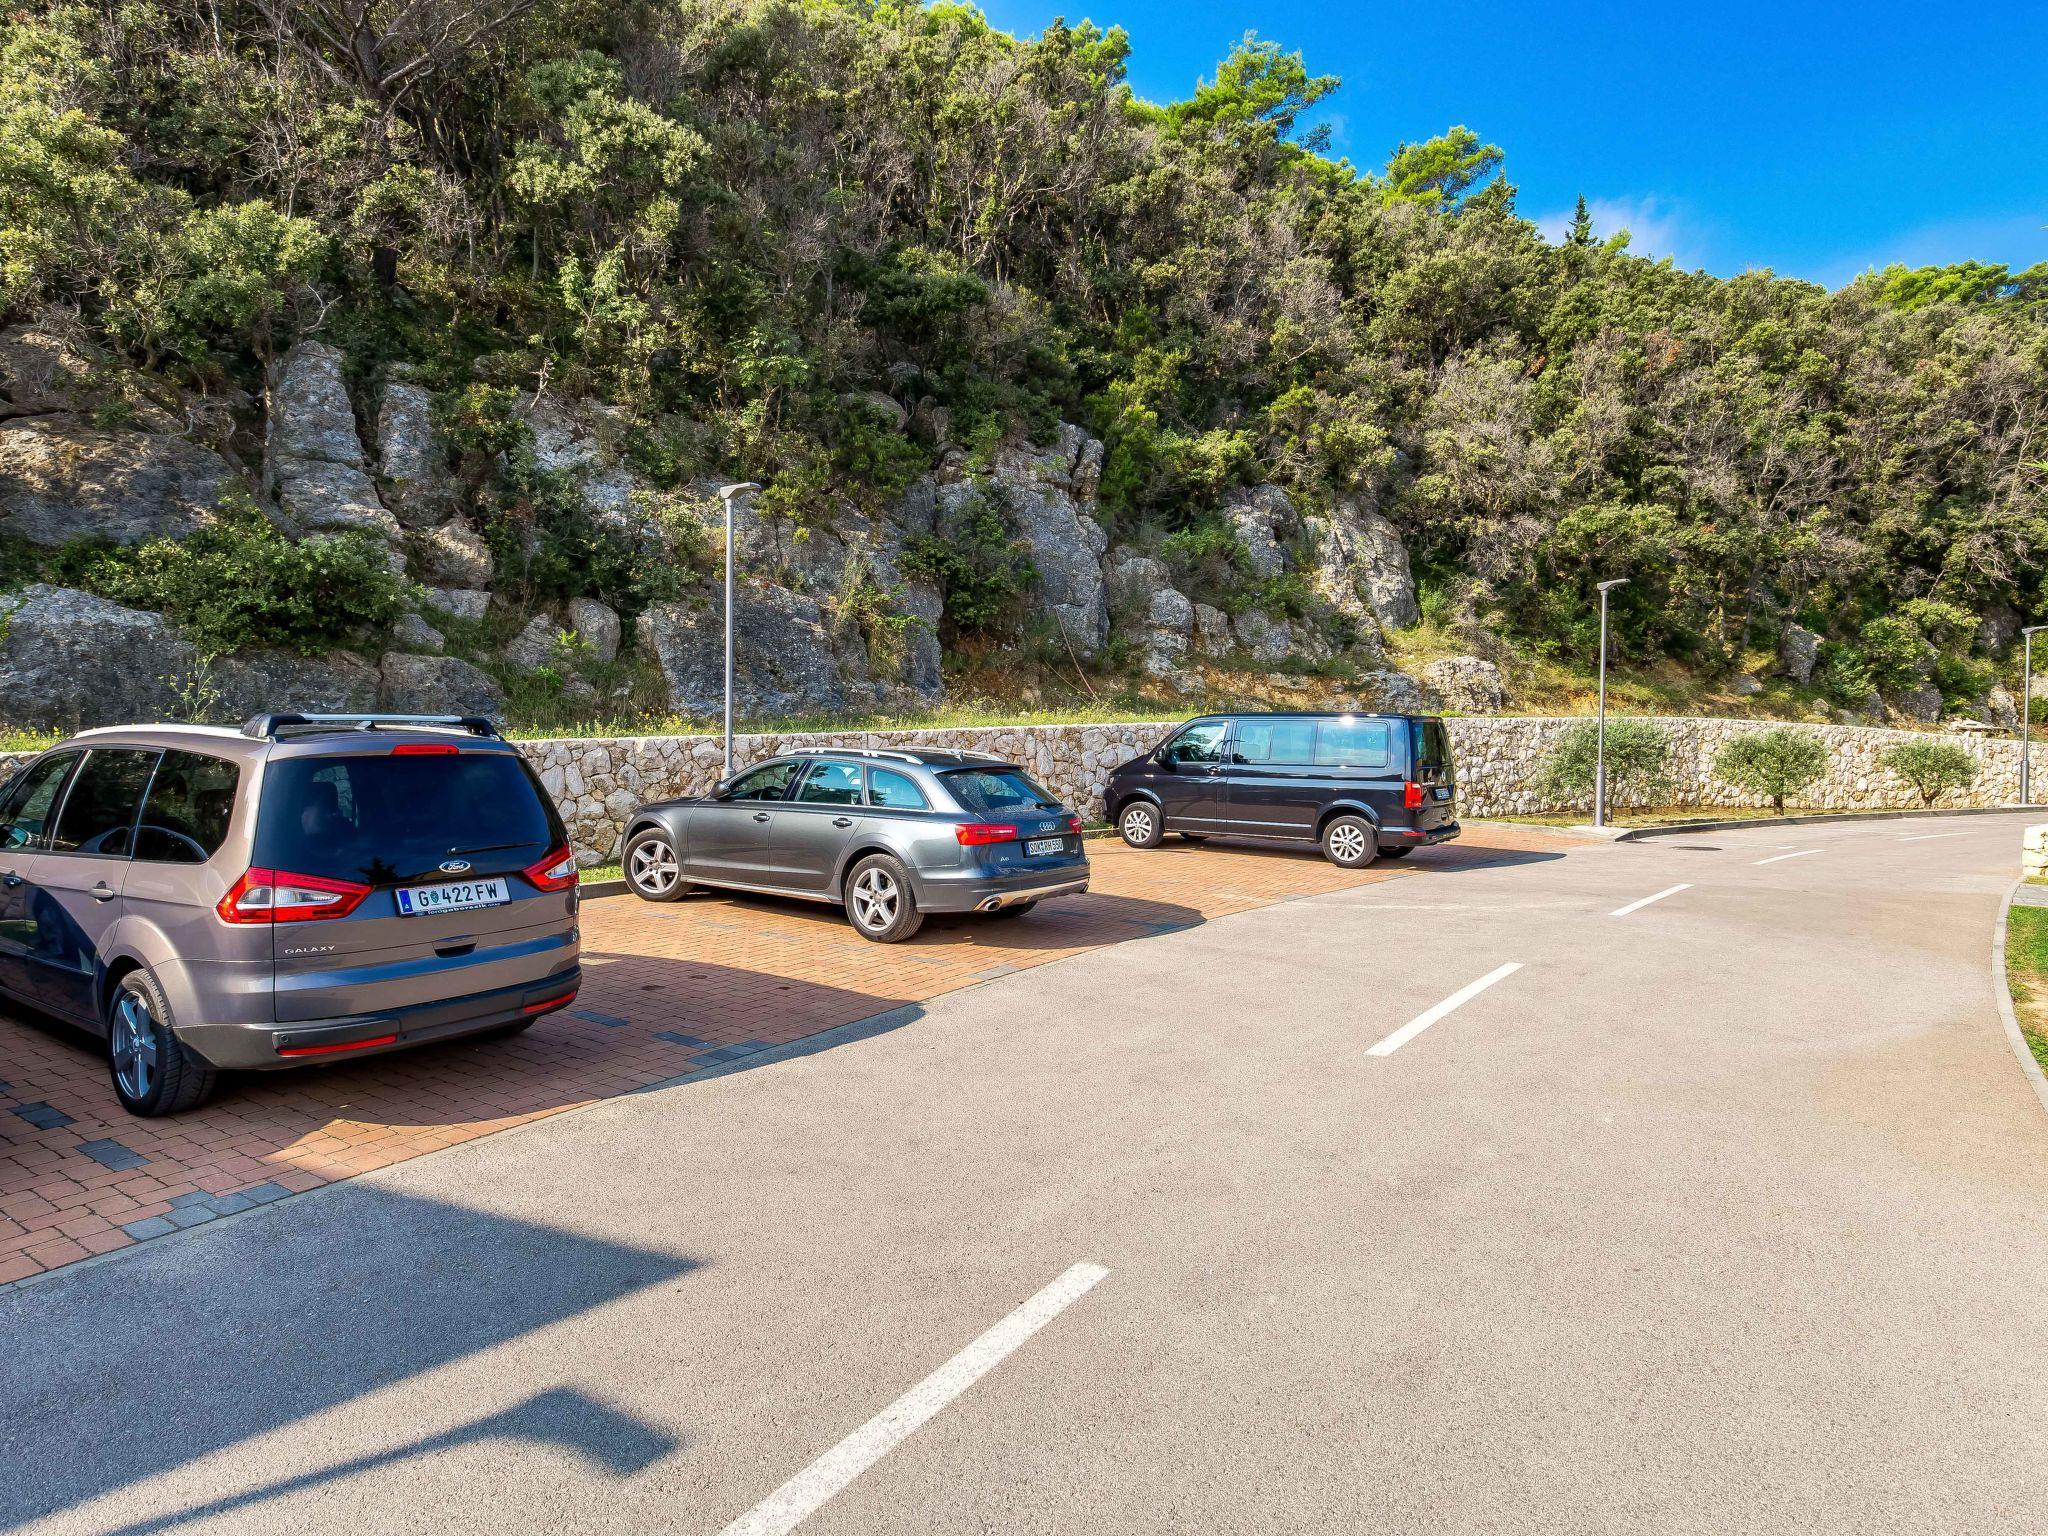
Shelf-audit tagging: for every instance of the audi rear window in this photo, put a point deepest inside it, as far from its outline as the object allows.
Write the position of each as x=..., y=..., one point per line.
x=384, y=819
x=997, y=791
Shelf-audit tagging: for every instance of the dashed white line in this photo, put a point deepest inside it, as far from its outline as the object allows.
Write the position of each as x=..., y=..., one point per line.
x=803, y=1495
x=1779, y=858
x=1930, y=836
x=1457, y=999
x=1637, y=906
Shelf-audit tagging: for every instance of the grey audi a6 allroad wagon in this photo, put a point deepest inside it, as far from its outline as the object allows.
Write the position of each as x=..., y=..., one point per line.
x=306, y=889
x=889, y=835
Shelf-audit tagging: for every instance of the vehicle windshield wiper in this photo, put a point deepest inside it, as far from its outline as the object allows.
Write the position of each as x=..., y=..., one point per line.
x=487, y=848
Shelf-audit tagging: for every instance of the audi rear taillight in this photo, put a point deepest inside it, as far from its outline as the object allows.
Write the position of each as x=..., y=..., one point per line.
x=979, y=834
x=1411, y=795
x=1073, y=826
x=557, y=871
x=275, y=896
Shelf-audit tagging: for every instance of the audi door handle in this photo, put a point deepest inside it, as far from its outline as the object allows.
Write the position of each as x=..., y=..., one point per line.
x=760, y=815
x=842, y=821
x=101, y=892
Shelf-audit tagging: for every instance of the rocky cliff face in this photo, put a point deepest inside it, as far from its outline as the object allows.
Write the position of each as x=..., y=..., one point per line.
x=834, y=616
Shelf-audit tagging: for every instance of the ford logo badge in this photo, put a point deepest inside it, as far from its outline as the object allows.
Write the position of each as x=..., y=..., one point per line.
x=455, y=867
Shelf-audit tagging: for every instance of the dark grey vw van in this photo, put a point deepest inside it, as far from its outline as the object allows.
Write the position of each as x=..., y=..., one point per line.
x=306, y=889
x=1362, y=786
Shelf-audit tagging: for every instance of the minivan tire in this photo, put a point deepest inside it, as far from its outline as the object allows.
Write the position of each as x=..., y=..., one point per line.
x=1141, y=825
x=652, y=869
x=879, y=901
x=1350, y=842
x=161, y=1077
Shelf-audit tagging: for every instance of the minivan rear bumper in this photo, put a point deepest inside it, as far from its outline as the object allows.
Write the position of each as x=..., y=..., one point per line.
x=1409, y=837
x=269, y=1047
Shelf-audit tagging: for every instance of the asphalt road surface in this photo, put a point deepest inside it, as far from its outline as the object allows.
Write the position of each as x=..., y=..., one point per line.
x=1727, y=1213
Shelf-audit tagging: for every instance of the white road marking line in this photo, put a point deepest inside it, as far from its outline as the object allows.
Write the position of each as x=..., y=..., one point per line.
x=1637, y=906
x=1929, y=836
x=1457, y=999
x=1779, y=858
x=803, y=1495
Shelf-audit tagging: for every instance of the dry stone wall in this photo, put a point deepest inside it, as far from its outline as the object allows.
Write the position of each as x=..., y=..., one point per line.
x=598, y=783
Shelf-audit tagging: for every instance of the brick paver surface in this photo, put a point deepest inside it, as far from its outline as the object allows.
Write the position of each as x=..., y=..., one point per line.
x=668, y=990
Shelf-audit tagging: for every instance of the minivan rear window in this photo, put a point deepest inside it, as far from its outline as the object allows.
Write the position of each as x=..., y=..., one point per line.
x=1432, y=745
x=384, y=819
x=997, y=791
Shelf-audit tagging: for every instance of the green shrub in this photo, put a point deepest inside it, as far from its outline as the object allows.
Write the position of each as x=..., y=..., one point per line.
x=240, y=582
x=1931, y=767
x=1638, y=764
x=983, y=572
x=1773, y=763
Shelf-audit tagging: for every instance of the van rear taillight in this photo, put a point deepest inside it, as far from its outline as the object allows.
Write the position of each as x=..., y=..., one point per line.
x=556, y=871
x=274, y=896
x=1411, y=795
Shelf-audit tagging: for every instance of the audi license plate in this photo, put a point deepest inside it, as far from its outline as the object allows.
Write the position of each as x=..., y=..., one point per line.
x=455, y=896
x=1040, y=846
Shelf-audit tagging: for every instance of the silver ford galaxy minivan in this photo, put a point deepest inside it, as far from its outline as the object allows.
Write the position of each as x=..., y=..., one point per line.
x=307, y=889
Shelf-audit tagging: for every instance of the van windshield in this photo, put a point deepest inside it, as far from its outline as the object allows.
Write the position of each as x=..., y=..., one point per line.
x=383, y=820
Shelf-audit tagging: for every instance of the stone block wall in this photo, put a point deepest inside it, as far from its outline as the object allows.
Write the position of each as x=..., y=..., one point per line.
x=598, y=782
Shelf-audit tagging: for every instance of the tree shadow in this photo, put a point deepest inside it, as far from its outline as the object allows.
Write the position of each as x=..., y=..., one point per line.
x=139, y=1365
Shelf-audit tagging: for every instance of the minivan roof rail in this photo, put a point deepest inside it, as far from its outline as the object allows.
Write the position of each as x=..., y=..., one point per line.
x=893, y=753
x=268, y=727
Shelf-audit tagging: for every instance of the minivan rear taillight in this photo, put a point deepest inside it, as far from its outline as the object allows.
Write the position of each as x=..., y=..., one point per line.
x=979, y=834
x=273, y=896
x=1411, y=795
x=555, y=872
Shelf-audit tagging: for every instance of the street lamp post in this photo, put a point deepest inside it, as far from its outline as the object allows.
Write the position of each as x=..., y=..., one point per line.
x=2027, y=714
x=726, y=493
x=1600, y=738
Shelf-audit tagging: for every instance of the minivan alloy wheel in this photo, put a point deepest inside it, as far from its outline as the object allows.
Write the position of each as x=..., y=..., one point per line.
x=134, y=1046
x=1139, y=825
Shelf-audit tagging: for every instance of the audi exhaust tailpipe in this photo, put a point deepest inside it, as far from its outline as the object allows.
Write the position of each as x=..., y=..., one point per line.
x=990, y=904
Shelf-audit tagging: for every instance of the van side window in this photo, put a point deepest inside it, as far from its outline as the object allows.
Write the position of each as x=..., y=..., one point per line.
x=1354, y=743
x=1198, y=744
x=30, y=800
x=1286, y=743
x=185, y=820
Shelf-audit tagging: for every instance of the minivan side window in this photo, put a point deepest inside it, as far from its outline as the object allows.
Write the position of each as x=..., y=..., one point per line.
x=1197, y=744
x=185, y=820
x=1354, y=743
x=31, y=798
x=1284, y=743
x=99, y=809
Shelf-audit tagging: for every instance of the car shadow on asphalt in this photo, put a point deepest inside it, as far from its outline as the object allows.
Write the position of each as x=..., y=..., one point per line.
x=1443, y=858
x=143, y=1363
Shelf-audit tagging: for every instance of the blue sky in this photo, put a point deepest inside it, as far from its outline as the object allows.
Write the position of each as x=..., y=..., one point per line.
x=1816, y=140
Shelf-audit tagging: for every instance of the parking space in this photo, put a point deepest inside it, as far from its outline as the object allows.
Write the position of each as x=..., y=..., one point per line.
x=670, y=992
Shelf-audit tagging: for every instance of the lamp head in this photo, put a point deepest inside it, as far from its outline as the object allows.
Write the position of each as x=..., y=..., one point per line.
x=2034, y=629
x=1609, y=586
x=727, y=492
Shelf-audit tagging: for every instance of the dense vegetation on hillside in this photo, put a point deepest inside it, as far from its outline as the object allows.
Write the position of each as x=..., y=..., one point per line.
x=739, y=218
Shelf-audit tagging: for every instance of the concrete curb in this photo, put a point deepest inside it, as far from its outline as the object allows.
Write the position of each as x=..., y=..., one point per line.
x=2036, y=1079
x=1675, y=829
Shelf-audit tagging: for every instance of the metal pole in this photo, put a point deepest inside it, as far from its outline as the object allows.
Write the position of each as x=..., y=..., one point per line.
x=726, y=493
x=2027, y=723
x=1600, y=739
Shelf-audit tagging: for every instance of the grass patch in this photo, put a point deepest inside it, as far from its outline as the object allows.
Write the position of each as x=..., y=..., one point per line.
x=601, y=872
x=964, y=715
x=27, y=741
x=2026, y=970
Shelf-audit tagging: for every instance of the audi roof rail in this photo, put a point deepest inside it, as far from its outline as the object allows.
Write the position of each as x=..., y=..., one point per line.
x=894, y=753
x=269, y=727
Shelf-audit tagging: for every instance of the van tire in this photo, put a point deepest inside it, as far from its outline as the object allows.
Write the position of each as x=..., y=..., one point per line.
x=1141, y=825
x=161, y=1076
x=1350, y=842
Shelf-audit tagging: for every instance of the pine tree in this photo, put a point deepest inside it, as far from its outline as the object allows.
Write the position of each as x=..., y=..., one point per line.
x=1582, y=226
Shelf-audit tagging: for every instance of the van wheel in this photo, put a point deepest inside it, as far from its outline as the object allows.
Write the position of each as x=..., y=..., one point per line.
x=153, y=1072
x=653, y=872
x=1141, y=825
x=1350, y=842
x=879, y=901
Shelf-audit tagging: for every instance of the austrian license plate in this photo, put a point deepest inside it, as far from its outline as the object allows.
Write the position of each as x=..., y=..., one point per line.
x=1443, y=794
x=455, y=896
x=1040, y=846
